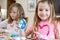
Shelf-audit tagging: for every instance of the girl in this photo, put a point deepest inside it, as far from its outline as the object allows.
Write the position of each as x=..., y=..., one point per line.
x=44, y=25
x=15, y=13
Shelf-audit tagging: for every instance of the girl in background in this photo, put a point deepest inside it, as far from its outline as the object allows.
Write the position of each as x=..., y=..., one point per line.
x=15, y=13
x=44, y=24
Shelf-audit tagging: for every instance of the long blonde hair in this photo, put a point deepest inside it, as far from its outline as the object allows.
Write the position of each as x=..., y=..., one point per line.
x=37, y=19
x=20, y=10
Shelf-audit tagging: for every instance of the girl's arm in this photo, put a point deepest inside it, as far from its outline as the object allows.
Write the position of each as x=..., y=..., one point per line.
x=3, y=26
x=56, y=34
x=29, y=31
x=56, y=31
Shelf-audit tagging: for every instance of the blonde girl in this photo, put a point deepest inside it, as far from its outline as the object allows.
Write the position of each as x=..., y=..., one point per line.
x=15, y=13
x=44, y=21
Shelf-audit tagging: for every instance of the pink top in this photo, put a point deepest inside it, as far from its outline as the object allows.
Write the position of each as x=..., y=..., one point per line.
x=46, y=28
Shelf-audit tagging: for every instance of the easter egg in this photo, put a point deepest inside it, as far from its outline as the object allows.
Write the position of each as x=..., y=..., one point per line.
x=22, y=24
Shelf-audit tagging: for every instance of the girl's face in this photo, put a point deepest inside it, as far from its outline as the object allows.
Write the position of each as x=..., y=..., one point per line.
x=43, y=10
x=14, y=13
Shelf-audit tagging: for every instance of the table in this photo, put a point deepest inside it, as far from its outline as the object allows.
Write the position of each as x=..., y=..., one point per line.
x=3, y=38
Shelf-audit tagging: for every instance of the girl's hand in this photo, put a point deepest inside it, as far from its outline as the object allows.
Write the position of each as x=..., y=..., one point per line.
x=3, y=32
x=36, y=36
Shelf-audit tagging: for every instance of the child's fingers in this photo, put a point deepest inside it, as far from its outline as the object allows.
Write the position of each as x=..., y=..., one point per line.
x=37, y=33
x=2, y=30
x=35, y=36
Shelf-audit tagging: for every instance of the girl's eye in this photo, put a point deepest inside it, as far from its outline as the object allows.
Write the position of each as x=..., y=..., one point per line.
x=40, y=10
x=14, y=12
x=46, y=9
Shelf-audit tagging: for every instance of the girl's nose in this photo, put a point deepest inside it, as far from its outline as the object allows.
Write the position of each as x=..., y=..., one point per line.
x=44, y=12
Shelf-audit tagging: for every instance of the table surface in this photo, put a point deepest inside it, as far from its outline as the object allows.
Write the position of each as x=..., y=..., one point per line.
x=29, y=39
x=1, y=37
